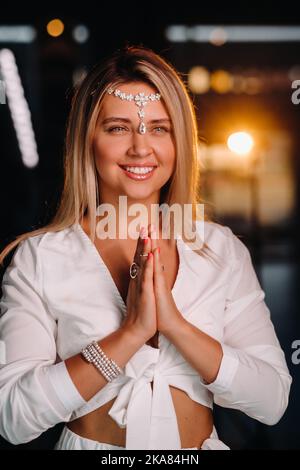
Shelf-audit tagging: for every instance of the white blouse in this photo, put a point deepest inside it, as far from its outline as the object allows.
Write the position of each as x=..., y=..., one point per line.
x=58, y=295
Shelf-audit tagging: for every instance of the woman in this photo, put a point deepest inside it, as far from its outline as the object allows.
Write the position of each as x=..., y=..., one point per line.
x=130, y=341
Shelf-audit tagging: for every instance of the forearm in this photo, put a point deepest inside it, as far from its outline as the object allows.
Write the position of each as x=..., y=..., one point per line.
x=120, y=346
x=244, y=381
x=200, y=350
x=46, y=394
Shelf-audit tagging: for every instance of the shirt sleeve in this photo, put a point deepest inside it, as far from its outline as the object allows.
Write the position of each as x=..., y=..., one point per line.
x=253, y=376
x=29, y=375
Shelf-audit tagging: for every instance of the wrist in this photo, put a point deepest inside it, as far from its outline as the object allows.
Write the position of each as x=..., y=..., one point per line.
x=134, y=334
x=177, y=327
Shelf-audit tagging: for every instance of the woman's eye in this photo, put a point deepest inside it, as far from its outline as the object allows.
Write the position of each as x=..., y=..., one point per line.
x=120, y=129
x=161, y=130
x=116, y=129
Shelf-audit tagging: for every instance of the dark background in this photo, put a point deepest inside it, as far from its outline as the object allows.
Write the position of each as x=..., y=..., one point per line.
x=29, y=196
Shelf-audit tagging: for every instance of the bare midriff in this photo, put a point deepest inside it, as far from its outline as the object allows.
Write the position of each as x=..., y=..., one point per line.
x=195, y=421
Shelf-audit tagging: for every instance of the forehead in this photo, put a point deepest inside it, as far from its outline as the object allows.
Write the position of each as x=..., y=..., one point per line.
x=113, y=104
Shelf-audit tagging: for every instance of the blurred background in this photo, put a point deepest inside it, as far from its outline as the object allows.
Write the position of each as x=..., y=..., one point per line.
x=242, y=69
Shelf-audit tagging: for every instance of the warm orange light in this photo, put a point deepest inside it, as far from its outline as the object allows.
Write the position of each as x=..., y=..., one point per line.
x=55, y=27
x=240, y=142
x=198, y=79
x=221, y=81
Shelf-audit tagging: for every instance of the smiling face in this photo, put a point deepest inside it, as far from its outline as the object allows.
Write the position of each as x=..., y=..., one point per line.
x=129, y=163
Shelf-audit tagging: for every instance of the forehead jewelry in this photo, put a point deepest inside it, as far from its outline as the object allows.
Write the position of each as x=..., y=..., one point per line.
x=140, y=99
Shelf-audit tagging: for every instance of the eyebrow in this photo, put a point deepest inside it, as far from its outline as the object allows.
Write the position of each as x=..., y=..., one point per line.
x=121, y=119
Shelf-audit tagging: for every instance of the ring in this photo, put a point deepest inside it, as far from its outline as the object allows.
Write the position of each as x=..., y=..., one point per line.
x=144, y=254
x=133, y=271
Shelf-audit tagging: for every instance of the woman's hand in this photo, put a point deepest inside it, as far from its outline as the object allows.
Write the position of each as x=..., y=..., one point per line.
x=166, y=310
x=141, y=309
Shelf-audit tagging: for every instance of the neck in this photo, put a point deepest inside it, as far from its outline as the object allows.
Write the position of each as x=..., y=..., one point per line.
x=130, y=213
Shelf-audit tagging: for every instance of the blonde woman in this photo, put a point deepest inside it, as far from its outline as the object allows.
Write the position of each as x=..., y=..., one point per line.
x=129, y=339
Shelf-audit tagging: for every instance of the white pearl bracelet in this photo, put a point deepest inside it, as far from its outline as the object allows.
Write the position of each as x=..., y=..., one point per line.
x=93, y=354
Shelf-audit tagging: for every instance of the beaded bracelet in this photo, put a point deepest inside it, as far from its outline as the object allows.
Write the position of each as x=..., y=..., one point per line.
x=93, y=354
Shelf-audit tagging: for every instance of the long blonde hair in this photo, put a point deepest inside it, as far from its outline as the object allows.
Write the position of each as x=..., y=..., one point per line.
x=80, y=194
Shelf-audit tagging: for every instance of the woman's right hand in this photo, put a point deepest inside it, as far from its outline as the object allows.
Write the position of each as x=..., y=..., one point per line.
x=141, y=308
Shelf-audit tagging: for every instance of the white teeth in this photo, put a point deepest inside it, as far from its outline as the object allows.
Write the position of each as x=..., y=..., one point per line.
x=139, y=170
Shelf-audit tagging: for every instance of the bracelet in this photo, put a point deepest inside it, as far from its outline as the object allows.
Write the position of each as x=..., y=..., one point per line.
x=93, y=354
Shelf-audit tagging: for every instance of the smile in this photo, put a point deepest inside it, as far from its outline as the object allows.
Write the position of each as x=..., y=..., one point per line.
x=138, y=172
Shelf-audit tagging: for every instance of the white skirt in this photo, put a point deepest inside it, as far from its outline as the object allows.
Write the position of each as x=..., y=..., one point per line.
x=70, y=441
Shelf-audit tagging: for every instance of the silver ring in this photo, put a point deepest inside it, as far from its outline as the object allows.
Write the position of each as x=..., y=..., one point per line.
x=133, y=270
x=144, y=254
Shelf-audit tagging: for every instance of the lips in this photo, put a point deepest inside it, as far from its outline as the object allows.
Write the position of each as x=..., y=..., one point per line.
x=139, y=165
x=138, y=176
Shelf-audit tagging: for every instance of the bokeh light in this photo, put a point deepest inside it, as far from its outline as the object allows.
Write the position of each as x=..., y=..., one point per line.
x=55, y=27
x=199, y=79
x=240, y=142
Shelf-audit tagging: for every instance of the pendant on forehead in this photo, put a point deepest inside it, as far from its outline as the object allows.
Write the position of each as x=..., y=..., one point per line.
x=140, y=99
x=142, y=128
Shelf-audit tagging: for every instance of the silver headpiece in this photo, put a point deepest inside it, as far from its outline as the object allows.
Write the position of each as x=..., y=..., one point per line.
x=140, y=100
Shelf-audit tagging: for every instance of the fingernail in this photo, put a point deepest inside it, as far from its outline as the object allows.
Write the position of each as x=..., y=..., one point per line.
x=158, y=249
x=142, y=231
x=146, y=240
x=150, y=255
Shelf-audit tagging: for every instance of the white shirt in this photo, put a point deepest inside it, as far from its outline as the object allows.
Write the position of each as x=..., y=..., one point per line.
x=58, y=296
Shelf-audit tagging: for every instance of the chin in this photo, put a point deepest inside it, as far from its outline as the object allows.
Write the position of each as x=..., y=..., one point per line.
x=138, y=193
x=140, y=196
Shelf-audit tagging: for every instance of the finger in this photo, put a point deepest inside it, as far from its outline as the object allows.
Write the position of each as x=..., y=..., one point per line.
x=159, y=278
x=142, y=247
x=147, y=276
x=154, y=237
x=146, y=249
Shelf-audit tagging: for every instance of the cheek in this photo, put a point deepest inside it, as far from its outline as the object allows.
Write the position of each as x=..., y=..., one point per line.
x=165, y=149
x=170, y=157
x=104, y=154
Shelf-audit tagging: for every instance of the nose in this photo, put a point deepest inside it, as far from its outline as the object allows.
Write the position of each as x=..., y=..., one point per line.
x=139, y=146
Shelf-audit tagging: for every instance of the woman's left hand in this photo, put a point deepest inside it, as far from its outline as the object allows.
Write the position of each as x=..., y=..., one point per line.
x=168, y=315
